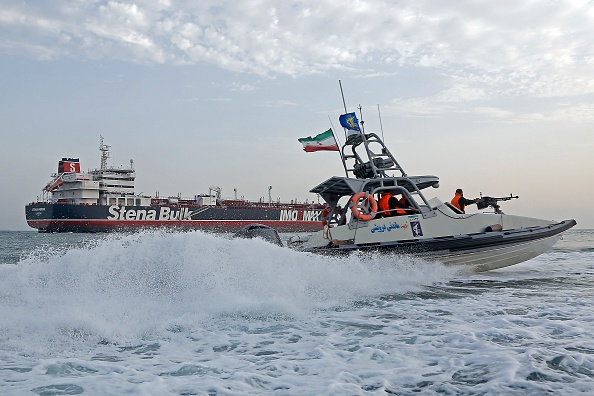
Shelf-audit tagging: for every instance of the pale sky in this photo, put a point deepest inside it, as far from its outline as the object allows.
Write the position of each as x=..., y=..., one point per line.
x=491, y=96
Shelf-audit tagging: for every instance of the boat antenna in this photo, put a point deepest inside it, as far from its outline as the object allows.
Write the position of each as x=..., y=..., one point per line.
x=342, y=94
x=344, y=104
x=362, y=121
x=380, y=120
x=344, y=165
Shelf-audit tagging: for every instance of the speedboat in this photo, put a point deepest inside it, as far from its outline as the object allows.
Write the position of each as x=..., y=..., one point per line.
x=429, y=228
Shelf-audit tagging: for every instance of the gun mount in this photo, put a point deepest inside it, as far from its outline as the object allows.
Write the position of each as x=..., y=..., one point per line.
x=492, y=202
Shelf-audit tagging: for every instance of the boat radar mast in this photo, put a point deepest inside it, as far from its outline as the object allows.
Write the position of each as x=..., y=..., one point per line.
x=370, y=157
x=375, y=159
x=365, y=155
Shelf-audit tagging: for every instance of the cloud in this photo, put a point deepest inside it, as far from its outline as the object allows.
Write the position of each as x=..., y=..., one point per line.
x=576, y=112
x=539, y=48
x=276, y=103
x=242, y=87
x=207, y=100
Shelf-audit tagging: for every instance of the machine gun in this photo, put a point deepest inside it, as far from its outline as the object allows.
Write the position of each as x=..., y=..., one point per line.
x=492, y=201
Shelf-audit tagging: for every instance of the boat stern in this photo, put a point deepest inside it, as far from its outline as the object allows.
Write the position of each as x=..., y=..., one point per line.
x=39, y=215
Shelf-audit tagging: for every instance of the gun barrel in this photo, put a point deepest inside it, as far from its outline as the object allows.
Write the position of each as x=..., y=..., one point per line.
x=505, y=198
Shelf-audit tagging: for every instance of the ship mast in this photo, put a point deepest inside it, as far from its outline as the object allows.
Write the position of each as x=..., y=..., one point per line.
x=104, y=148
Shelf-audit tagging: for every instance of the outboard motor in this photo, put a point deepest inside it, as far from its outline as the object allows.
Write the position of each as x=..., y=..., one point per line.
x=251, y=231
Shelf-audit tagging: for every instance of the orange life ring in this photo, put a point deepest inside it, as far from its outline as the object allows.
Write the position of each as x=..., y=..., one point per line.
x=372, y=203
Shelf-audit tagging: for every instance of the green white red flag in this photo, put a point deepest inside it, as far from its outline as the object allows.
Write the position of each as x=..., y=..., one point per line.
x=325, y=141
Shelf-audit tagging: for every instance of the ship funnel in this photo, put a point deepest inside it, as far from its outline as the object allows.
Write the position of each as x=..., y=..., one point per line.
x=66, y=165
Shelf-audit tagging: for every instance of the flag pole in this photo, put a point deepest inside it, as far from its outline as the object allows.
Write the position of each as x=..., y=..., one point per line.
x=338, y=143
x=333, y=134
x=369, y=152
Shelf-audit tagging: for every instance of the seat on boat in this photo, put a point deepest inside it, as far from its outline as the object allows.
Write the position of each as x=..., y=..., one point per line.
x=436, y=203
x=455, y=209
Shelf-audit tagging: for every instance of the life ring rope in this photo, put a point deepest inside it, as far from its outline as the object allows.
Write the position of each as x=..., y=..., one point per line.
x=324, y=216
x=362, y=211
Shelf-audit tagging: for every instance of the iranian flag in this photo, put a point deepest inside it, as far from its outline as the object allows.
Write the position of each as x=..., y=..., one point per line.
x=323, y=141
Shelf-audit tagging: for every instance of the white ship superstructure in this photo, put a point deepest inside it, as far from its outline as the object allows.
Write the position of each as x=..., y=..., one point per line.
x=107, y=185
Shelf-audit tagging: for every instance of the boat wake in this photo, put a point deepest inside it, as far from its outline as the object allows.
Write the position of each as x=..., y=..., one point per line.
x=127, y=286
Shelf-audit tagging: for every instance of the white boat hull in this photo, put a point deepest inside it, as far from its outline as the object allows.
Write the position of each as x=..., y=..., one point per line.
x=452, y=239
x=491, y=259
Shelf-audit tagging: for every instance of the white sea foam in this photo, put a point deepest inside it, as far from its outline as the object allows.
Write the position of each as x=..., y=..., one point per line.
x=126, y=287
x=192, y=313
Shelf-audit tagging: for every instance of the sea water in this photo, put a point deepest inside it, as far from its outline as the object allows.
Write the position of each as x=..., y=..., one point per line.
x=167, y=313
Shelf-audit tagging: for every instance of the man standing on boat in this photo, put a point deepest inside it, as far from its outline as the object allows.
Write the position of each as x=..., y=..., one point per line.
x=460, y=202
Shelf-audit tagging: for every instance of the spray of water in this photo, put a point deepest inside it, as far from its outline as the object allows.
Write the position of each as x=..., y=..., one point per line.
x=126, y=286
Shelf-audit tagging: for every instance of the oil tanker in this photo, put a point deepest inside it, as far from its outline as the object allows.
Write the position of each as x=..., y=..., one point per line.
x=103, y=200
